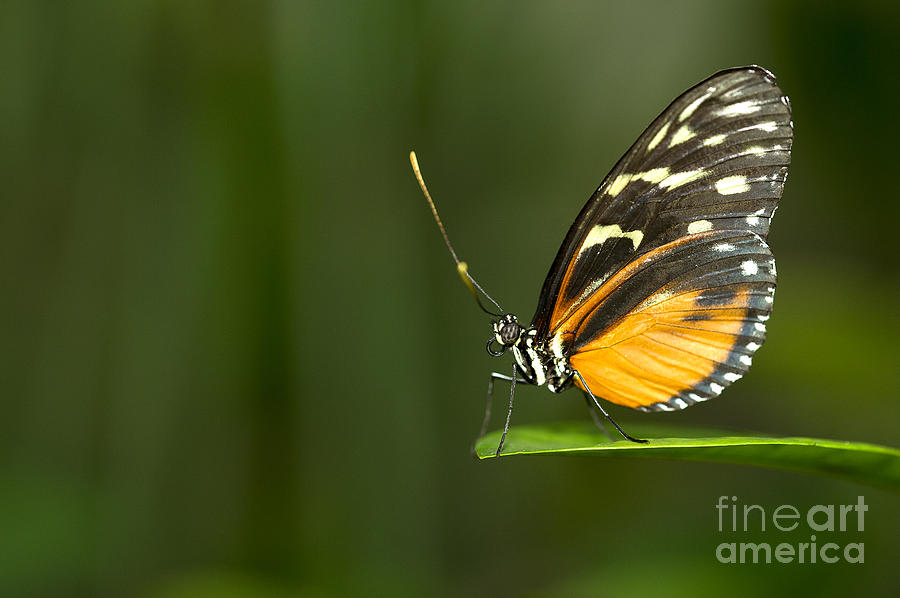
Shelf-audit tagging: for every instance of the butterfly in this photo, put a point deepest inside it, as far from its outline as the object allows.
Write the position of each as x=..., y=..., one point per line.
x=659, y=295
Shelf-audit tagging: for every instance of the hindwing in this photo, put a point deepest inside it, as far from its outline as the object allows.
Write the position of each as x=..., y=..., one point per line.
x=677, y=325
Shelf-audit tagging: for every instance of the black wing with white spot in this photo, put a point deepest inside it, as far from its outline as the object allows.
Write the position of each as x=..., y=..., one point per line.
x=715, y=160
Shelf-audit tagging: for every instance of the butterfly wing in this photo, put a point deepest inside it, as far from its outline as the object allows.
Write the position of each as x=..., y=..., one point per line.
x=678, y=324
x=706, y=175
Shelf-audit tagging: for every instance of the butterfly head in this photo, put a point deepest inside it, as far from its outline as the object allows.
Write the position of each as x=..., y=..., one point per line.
x=507, y=333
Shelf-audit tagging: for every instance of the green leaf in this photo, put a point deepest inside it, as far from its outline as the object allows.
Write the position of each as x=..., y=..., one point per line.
x=868, y=464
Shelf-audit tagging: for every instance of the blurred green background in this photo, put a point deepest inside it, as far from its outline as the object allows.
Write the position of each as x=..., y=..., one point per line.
x=237, y=360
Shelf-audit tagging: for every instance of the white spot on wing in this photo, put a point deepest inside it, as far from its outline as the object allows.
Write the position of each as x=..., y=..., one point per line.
x=749, y=268
x=747, y=107
x=760, y=327
x=618, y=184
x=664, y=407
x=681, y=178
x=714, y=140
x=753, y=346
x=746, y=360
x=723, y=247
x=732, y=184
x=600, y=233
x=681, y=135
x=768, y=127
x=653, y=176
x=716, y=389
x=697, y=397
x=658, y=137
x=731, y=376
x=686, y=113
x=681, y=403
x=699, y=226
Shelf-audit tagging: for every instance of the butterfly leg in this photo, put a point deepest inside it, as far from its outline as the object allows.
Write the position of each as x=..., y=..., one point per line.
x=512, y=395
x=605, y=414
x=597, y=421
x=487, y=408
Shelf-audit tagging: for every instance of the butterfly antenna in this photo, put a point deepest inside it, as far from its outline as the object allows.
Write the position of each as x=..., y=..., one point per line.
x=462, y=268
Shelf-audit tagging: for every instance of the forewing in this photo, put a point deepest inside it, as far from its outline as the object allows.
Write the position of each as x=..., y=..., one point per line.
x=677, y=325
x=715, y=159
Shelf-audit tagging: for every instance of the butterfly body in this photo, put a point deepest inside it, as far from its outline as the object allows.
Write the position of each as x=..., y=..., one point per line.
x=539, y=362
x=540, y=365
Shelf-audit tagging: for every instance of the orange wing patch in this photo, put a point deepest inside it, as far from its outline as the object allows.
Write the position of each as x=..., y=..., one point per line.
x=595, y=293
x=668, y=349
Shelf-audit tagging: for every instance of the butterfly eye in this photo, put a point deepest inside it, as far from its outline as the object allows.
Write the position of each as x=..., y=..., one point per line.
x=507, y=330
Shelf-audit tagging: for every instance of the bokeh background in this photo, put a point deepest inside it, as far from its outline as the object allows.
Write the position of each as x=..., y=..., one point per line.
x=237, y=361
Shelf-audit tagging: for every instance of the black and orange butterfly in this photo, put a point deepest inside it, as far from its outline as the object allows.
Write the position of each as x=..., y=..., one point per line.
x=659, y=295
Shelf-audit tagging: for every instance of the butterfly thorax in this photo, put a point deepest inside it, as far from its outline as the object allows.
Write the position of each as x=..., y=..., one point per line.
x=537, y=361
